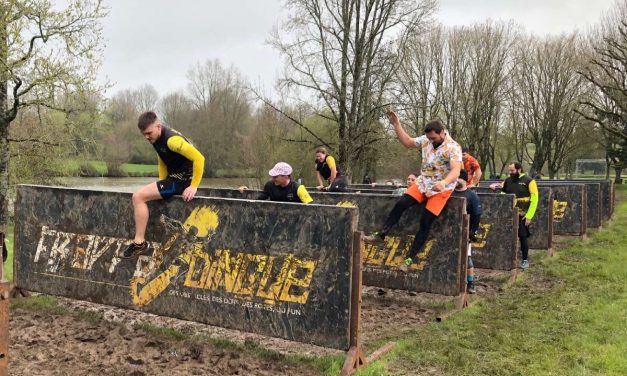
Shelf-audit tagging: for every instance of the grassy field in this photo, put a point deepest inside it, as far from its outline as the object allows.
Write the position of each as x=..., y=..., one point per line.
x=100, y=168
x=566, y=315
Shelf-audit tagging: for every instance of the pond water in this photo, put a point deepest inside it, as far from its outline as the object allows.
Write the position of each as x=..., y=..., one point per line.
x=131, y=184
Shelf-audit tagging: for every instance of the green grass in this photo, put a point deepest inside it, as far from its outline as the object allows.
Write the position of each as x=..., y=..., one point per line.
x=100, y=168
x=8, y=265
x=40, y=302
x=567, y=315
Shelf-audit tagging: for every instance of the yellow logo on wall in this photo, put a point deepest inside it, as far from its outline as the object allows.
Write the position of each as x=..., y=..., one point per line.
x=482, y=235
x=392, y=255
x=559, y=209
x=346, y=204
x=271, y=278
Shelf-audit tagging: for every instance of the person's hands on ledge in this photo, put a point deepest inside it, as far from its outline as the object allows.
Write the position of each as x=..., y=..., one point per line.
x=189, y=193
x=495, y=186
x=242, y=189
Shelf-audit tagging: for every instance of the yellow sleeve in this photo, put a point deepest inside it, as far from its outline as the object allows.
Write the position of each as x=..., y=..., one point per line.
x=331, y=162
x=304, y=196
x=162, y=168
x=533, y=201
x=179, y=145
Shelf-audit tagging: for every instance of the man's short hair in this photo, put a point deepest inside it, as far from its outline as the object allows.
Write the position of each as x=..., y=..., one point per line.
x=434, y=126
x=517, y=165
x=465, y=149
x=463, y=175
x=321, y=150
x=146, y=119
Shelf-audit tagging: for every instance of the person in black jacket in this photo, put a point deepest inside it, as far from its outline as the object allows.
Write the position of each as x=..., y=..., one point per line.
x=473, y=208
x=527, y=196
x=281, y=187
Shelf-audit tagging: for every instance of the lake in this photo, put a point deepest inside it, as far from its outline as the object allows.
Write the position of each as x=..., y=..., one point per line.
x=131, y=184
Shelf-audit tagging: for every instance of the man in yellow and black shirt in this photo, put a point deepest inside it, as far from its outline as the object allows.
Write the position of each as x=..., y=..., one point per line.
x=180, y=171
x=526, y=191
x=281, y=187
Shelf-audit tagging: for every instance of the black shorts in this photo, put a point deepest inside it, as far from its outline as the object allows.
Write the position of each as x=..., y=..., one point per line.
x=169, y=187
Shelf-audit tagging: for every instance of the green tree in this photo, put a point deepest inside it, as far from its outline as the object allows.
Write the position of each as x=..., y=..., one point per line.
x=45, y=53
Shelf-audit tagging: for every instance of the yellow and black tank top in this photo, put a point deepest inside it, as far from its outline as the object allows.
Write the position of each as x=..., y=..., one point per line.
x=293, y=192
x=526, y=191
x=324, y=167
x=179, y=167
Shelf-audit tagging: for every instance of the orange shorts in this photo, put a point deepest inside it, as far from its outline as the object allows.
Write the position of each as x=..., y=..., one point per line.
x=435, y=203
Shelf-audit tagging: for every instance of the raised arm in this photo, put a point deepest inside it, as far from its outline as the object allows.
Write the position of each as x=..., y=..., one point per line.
x=402, y=136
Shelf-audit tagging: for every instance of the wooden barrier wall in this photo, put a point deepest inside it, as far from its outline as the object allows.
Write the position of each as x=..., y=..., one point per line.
x=439, y=269
x=277, y=269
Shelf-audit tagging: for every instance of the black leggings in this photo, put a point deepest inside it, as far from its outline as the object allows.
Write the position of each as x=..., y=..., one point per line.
x=426, y=220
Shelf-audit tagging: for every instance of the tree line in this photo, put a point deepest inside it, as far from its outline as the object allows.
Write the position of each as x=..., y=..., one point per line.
x=501, y=91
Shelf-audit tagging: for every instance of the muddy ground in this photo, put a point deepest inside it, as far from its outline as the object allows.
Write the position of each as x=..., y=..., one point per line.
x=109, y=341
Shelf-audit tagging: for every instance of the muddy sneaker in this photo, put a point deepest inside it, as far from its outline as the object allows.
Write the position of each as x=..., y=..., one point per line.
x=134, y=250
x=470, y=288
x=374, y=238
x=524, y=264
x=406, y=264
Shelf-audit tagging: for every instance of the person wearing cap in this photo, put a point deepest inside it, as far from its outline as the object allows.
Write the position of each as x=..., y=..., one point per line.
x=441, y=163
x=327, y=169
x=281, y=187
x=473, y=208
x=472, y=167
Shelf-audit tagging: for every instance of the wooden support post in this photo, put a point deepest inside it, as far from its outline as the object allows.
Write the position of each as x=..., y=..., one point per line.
x=354, y=357
x=461, y=300
x=4, y=316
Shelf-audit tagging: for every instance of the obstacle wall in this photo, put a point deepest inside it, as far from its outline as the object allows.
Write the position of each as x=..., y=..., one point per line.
x=542, y=224
x=606, y=202
x=498, y=233
x=276, y=269
x=569, y=208
x=439, y=267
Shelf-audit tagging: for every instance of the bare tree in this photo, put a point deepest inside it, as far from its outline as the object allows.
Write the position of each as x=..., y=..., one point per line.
x=420, y=78
x=607, y=72
x=175, y=108
x=146, y=98
x=459, y=74
x=222, y=113
x=546, y=91
x=341, y=56
x=44, y=52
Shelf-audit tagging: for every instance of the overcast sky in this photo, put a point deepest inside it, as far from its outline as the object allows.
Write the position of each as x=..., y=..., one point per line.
x=156, y=41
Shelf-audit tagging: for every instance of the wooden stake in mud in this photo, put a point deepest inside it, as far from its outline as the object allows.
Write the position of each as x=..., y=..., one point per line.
x=4, y=315
x=355, y=357
x=461, y=300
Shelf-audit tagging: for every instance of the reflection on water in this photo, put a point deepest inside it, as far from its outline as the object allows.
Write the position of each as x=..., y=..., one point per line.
x=131, y=184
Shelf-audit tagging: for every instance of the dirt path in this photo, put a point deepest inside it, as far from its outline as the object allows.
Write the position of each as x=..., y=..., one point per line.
x=109, y=341
x=42, y=343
